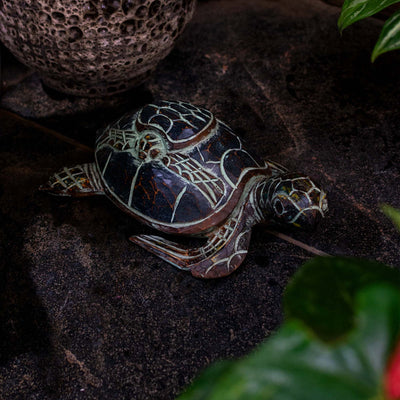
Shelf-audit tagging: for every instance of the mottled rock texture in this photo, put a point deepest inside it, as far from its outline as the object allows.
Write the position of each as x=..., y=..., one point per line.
x=84, y=314
x=92, y=48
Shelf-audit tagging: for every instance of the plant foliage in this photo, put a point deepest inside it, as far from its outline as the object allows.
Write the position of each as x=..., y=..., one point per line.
x=393, y=214
x=322, y=292
x=295, y=365
x=356, y=10
x=340, y=340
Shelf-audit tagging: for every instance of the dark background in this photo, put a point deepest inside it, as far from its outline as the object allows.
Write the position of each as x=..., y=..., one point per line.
x=84, y=313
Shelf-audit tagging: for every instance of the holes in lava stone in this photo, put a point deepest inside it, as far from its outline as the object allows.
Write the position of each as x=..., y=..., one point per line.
x=102, y=31
x=141, y=12
x=29, y=57
x=129, y=42
x=92, y=38
x=127, y=6
x=74, y=34
x=154, y=8
x=62, y=44
x=32, y=27
x=44, y=18
x=109, y=7
x=128, y=27
x=91, y=11
x=46, y=42
x=73, y=20
x=150, y=24
x=61, y=34
x=58, y=17
x=186, y=4
x=25, y=48
x=181, y=22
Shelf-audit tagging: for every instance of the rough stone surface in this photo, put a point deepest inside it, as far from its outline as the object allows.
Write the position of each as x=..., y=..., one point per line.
x=32, y=99
x=92, y=48
x=84, y=314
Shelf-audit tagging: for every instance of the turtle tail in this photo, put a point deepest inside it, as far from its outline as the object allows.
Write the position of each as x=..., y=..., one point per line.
x=78, y=181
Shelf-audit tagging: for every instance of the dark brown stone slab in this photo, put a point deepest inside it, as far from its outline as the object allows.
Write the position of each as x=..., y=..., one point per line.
x=86, y=314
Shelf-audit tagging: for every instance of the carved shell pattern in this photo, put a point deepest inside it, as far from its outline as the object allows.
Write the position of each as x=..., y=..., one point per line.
x=174, y=166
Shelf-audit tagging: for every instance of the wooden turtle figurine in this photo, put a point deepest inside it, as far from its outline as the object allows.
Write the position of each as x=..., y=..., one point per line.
x=177, y=168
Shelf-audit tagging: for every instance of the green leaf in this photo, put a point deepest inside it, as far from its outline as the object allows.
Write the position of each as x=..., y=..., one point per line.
x=295, y=365
x=321, y=294
x=355, y=10
x=393, y=214
x=389, y=39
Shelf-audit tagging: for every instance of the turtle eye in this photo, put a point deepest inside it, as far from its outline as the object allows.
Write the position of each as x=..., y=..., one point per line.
x=278, y=207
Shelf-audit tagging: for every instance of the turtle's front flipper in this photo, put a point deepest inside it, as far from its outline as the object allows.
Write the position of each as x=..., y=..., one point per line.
x=224, y=251
x=80, y=180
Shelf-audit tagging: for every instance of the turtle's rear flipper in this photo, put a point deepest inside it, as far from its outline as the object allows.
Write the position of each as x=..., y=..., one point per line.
x=169, y=251
x=221, y=255
x=80, y=180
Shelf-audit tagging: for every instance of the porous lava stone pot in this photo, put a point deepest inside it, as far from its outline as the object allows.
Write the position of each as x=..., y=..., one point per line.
x=92, y=48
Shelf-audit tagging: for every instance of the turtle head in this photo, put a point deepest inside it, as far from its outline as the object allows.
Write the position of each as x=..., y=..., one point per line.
x=295, y=200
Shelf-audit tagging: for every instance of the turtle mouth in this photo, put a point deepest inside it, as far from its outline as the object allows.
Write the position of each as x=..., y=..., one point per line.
x=323, y=204
x=307, y=219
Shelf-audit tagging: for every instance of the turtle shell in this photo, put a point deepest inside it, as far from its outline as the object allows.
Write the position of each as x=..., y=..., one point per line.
x=174, y=166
